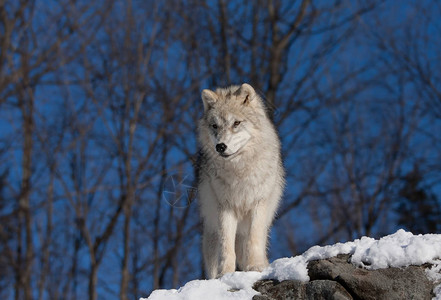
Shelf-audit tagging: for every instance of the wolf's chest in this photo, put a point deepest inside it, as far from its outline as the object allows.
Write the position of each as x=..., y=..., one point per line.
x=241, y=191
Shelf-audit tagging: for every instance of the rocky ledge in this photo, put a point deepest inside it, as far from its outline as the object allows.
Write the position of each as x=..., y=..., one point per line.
x=336, y=278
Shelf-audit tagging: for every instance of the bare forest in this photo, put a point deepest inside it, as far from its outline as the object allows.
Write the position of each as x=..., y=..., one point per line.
x=99, y=103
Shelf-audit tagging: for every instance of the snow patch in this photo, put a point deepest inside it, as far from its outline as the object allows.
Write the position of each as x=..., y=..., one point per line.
x=400, y=249
x=237, y=285
x=293, y=268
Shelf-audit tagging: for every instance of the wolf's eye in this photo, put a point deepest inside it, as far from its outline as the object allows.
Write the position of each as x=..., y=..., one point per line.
x=236, y=123
x=214, y=126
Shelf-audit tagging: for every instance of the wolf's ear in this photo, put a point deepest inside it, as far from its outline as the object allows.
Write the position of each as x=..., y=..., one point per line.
x=245, y=93
x=208, y=98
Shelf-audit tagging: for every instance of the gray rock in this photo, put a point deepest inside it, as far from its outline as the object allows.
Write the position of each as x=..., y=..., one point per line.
x=336, y=278
x=273, y=289
x=391, y=283
x=326, y=290
x=292, y=289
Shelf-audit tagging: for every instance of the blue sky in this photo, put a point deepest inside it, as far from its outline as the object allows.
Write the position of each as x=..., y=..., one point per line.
x=365, y=108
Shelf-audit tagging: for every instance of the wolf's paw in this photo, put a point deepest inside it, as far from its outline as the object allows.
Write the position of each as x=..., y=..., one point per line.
x=222, y=273
x=257, y=267
x=227, y=266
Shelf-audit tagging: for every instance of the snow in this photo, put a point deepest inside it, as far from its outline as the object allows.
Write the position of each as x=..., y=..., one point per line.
x=237, y=285
x=400, y=249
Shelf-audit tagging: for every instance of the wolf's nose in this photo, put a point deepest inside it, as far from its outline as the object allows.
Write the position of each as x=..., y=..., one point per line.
x=221, y=147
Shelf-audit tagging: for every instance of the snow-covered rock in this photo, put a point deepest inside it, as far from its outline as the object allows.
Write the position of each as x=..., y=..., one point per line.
x=399, y=250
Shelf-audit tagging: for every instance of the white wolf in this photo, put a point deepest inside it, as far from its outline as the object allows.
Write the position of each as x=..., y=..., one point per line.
x=241, y=179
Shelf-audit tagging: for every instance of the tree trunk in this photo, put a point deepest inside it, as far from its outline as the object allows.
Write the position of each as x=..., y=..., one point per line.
x=125, y=262
x=26, y=103
x=93, y=280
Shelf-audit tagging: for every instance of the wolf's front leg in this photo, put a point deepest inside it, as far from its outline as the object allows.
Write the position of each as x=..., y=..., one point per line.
x=228, y=226
x=259, y=220
x=210, y=249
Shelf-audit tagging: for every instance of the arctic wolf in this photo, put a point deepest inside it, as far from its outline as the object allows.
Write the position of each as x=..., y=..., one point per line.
x=241, y=179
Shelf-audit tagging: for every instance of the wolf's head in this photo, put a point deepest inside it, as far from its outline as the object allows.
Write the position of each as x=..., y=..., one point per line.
x=230, y=119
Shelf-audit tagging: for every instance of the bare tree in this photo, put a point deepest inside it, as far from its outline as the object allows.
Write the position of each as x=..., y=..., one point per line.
x=99, y=102
x=30, y=54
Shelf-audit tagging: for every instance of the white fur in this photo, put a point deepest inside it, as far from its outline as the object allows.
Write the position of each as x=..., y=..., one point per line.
x=239, y=193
